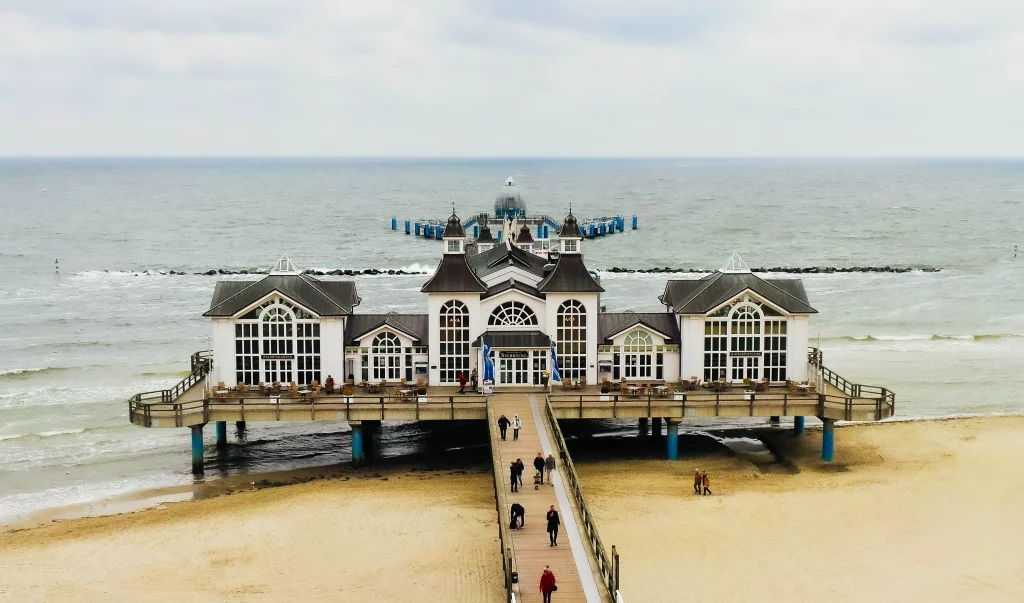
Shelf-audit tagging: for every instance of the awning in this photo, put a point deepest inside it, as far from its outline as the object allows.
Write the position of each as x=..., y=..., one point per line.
x=514, y=339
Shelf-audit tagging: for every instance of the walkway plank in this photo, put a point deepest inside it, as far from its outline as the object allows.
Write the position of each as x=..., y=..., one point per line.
x=531, y=549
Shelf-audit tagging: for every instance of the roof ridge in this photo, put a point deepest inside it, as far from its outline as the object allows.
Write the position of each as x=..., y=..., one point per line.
x=707, y=280
x=240, y=291
x=782, y=291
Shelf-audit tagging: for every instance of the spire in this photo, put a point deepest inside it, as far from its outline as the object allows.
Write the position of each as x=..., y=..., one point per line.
x=735, y=265
x=285, y=266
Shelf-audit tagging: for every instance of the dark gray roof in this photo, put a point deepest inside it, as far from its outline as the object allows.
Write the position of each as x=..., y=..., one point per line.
x=514, y=339
x=512, y=284
x=453, y=275
x=570, y=227
x=325, y=298
x=704, y=295
x=524, y=235
x=502, y=256
x=570, y=274
x=485, y=234
x=414, y=325
x=610, y=324
x=453, y=228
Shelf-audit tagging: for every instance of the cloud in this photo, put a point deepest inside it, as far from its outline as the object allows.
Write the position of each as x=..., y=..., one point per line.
x=466, y=78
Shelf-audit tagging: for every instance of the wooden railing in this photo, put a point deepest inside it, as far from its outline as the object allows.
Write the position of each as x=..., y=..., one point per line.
x=607, y=561
x=504, y=537
x=885, y=398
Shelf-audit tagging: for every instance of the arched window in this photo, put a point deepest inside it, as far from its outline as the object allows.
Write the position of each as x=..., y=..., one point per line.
x=571, y=339
x=639, y=348
x=454, y=341
x=386, y=352
x=512, y=314
x=277, y=341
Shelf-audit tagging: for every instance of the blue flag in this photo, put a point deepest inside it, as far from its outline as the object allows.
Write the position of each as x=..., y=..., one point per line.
x=488, y=363
x=556, y=375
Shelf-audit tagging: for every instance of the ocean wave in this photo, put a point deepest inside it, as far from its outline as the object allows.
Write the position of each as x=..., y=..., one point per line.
x=47, y=434
x=937, y=337
x=26, y=372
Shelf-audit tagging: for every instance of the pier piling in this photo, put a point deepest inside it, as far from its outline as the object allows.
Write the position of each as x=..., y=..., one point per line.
x=656, y=427
x=357, y=442
x=828, y=439
x=774, y=420
x=197, y=449
x=672, y=441
x=643, y=427
x=798, y=425
x=240, y=430
x=222, y=434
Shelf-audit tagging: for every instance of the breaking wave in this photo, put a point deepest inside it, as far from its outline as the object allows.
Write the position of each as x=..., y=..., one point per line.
x=939, y=337
x=25, y=372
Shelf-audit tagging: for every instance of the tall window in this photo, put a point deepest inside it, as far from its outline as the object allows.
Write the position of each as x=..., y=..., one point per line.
x=512, y=314
x=571, y=339
x=745, y=342
x=638, y=351
x=775, y=350
x=716, y=349
x=454, y=341
x=277, y=341
x=387, y=357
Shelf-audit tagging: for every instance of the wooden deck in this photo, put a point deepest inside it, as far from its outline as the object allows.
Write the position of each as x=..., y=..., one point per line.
x=530, y=546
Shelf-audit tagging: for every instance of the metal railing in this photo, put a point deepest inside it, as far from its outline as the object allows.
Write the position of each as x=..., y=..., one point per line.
x=607, y=562
x=716, y=400
x=884, y=398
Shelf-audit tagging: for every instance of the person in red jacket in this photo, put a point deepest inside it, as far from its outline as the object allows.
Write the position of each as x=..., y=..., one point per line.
x=547, y=583
x=462, y=383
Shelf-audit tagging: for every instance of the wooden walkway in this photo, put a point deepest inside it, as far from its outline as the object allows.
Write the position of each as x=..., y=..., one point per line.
x=530, y=545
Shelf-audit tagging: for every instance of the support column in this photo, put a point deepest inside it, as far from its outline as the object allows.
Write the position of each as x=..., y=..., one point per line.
x=656, y=427
x=774, y=420
x=197, y=449
x=798, y=425
x=222, y=434
x=357, y=441
x=828, y=439
x=240, y=430
x=371, y=438
x=672, y=441
x=643, y=427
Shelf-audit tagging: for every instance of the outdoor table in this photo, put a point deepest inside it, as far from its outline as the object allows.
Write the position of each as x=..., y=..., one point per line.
x=803, y=387
x=303, y=392
x=661, y=389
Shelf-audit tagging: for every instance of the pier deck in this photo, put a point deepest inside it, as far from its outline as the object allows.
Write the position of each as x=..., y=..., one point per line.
x=571, y=561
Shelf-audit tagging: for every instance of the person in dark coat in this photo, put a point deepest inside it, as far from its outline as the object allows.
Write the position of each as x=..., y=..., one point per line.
x=538, y=464
x=706, y=482
x=513, y=471
x=462, y=383
x=547, y=583
x=520, y=467
x=553, y=523
x=503, y=424
x=474, y=377
x=517, y=516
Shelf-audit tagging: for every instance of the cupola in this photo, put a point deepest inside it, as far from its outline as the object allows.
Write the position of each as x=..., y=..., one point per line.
x=454, y=236
x=570, y=235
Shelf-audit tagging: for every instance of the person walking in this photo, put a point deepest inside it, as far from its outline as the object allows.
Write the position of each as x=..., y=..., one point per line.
x=513, y=471
x=538, y=464
x=547, y=583
x=517, y=424
x=462, y=383
x=474, y=377
x=520, y=468
x=517, y=516
x=549, y=464
x=698, y=480
x=706, y=482
x=503, y=424
x=553, y=523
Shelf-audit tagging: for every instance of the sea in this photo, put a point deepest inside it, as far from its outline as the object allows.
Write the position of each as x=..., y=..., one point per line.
x=90, y=314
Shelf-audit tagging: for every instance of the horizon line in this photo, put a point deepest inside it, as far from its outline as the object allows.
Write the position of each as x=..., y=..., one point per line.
x=528, y=157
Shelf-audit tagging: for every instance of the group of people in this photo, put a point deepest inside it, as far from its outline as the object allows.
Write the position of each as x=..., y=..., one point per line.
x=541, y=466
x=504, y=423
x=701, y=482
x=517, y=520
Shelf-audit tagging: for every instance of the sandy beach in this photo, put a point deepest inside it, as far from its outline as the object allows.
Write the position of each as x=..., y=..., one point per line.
x=910, y=511
x=398, y=534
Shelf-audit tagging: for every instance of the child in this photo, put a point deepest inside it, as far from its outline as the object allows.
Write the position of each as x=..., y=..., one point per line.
x=538, y=479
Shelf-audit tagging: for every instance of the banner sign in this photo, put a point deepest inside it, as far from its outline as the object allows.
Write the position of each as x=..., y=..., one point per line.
x=278, y=356
x=513, y=354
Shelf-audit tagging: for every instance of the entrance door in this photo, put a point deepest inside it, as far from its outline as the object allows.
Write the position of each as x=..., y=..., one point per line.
x=746, y=367
x=513, y=370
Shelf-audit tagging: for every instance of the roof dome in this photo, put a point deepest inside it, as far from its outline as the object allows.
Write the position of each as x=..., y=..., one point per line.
x=524, y=236
x=509, y=202
x=485, y=234
x=453, y=228
x=570, y=227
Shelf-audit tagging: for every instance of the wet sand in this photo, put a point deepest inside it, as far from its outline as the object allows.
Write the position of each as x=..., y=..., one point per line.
x=910, y=511
x=395, y=534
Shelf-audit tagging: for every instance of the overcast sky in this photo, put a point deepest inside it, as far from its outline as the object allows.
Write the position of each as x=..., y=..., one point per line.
x=512, y=78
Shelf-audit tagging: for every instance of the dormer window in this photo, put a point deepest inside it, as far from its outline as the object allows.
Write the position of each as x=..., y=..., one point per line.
x=570, y=245
x=455, y=246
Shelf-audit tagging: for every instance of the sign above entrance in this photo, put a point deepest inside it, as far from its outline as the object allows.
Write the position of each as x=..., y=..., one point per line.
x=517, y=354
x=744, y=354
x=278, y=356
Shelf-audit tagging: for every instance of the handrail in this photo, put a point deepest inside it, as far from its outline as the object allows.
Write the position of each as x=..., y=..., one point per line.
x=201, y=363
x=607, y=564
x=884, y=396
x=505, y=539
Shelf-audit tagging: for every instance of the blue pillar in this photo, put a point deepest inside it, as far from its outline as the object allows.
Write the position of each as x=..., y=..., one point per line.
x=476, y=231
x=197, y=449
x=407, y=227
x=634, y=222
x=394, y=223
x=672, y=442
x=222, y=434
x=417, y=229
x=828, y=439
x=498, y=240
x=643, y=427
x=547, y=232
x=357, y=442
x=798, y=425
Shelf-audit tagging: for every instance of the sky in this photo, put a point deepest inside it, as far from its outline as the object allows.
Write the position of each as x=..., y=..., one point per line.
x=496, y=78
